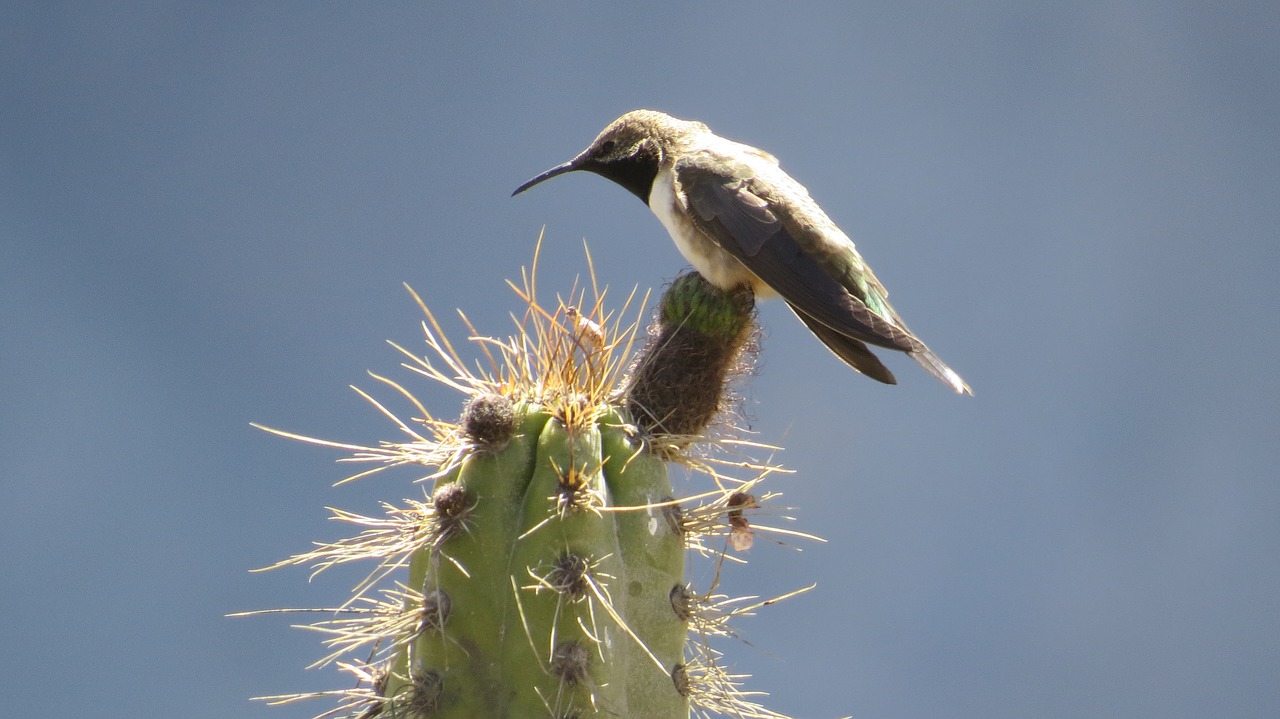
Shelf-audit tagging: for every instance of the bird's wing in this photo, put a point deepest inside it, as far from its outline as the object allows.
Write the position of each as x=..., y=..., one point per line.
x=726, y=207
x=851, y=351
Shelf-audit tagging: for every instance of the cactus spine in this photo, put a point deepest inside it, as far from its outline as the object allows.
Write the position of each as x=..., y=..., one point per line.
x=546, y=569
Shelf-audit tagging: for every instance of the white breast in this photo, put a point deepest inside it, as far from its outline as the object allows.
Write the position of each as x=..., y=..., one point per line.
x=717, y=266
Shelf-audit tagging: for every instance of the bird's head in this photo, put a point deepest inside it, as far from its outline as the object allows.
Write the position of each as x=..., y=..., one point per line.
x=629, y=151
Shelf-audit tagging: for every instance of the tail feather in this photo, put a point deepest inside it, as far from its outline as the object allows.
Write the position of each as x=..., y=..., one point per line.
x=939, y=369
x=856, y=354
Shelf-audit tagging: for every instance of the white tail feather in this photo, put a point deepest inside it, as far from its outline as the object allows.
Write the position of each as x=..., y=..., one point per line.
x=939, y=369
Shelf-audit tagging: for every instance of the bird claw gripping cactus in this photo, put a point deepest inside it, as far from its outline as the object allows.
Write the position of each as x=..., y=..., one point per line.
x=546, y=568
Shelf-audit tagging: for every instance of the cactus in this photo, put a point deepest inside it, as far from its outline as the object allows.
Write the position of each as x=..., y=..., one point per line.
x=546, y=566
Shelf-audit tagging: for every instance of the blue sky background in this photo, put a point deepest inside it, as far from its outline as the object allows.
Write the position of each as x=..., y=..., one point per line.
x=207, y=212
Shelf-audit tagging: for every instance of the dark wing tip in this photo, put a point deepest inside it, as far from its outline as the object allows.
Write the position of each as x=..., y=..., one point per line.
x=851, y=351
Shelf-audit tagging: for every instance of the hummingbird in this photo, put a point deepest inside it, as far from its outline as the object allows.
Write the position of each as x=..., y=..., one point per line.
x=741, y=221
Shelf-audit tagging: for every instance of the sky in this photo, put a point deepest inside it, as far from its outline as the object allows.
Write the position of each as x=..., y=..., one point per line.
x=209, y=211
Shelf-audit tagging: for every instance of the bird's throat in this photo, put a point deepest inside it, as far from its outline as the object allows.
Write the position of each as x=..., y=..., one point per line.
x=634, y=172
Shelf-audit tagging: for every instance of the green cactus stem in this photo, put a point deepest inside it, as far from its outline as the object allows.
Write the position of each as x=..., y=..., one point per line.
x=550, y=615
x=546, y=567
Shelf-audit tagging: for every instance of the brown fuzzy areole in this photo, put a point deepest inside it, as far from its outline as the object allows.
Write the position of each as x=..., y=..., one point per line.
x=678, y=384
x=489, y=420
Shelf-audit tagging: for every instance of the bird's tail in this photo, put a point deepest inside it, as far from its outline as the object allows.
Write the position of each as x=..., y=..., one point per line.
x=939, y=369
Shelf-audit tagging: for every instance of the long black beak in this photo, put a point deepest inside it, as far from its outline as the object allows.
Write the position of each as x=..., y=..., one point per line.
x=574, y=164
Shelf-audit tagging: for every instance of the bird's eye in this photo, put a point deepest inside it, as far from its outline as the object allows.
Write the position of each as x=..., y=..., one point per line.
x=607, y=146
